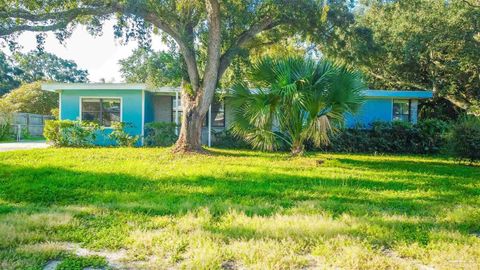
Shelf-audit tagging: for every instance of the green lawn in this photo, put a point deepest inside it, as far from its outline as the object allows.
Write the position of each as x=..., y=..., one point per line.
x=237, y=209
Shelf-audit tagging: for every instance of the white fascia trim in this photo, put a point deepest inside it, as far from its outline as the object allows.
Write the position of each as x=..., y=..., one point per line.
x=93, y=86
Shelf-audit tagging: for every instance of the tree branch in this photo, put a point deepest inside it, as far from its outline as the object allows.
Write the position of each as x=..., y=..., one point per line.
x=242, y=39
x=52, y=21
x=407, y=84
x=63, y=15
x=58, y=20
x=173, y=30
x=471, y=4
x=213, y=51
x=33, y=28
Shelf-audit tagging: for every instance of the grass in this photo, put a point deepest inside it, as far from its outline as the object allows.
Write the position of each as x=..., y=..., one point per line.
x=237, y=209
x=27, y=139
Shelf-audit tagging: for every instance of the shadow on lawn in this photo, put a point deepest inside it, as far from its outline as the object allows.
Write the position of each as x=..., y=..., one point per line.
x=252, y=193
x=422, y=193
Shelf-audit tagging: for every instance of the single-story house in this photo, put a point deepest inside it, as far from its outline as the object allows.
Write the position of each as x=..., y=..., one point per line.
x=139, y=104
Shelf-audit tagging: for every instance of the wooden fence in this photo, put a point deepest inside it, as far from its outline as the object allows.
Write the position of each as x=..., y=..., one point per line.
x=29, y=124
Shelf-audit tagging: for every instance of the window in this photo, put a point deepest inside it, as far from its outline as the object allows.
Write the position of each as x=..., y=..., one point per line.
x=103, y=111
x=180, y=110
x=401, y=110
x=218, y=113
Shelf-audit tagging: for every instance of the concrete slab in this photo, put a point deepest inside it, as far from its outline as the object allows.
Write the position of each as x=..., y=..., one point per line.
x=10, y=146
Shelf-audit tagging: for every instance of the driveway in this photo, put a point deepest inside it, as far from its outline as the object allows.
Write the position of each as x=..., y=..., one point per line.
x=22, y=145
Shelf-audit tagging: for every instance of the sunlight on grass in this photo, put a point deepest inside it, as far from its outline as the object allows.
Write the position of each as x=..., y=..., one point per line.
x=237, y=210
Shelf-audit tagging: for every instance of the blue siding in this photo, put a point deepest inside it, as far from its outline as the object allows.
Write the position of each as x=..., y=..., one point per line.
x=372, y=110
x=131, y=108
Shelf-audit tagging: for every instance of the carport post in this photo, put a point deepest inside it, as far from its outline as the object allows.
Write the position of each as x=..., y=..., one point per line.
x=210, y=126
x=176, y=112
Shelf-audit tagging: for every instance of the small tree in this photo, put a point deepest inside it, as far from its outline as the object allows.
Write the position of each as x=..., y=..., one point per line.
x=294, y=100
x=30, y=98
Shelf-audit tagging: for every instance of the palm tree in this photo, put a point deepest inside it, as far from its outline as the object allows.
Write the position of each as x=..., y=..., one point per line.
x=294, y=100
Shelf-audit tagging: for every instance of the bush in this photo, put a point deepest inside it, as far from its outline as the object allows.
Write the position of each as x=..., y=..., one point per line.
x=465, y=139
x=425, y=137
x=432, y=135
x=6, y=119
x=70, y=133
x=225, y=139
x=121, y=137
x=160, y=134
x=5, y=129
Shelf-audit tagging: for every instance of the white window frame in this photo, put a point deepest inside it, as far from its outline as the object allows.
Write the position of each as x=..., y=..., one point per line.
x=409, y=108
x=100, y=97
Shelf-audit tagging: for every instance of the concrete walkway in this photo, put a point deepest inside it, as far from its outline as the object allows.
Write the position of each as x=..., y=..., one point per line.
x=10, y=146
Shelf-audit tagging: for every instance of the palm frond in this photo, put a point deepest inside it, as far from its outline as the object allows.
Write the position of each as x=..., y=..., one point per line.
x=305, y=98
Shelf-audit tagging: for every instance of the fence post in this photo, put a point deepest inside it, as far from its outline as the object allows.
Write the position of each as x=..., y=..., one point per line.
x=19, y=132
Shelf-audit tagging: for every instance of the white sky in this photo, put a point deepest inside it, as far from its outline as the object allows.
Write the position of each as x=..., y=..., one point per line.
x=99, y=55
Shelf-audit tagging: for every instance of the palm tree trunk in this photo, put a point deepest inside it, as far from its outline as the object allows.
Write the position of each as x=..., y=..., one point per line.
x=297, y=148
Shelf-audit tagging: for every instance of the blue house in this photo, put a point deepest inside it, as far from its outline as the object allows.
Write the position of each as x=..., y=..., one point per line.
x=139, y=104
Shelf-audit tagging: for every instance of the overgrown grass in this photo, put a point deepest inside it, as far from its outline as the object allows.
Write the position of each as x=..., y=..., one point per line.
x=238, y=209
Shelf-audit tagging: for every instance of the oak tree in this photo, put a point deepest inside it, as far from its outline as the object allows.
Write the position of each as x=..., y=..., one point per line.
x=208, y=33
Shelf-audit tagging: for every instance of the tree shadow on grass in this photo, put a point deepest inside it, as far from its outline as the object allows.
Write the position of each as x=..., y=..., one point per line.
x=436, y=176
x=253, y=193
x=264, y=194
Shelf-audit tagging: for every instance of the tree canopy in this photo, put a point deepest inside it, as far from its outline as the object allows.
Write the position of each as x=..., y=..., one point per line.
x=8, y=74
x=155, y=68
x=415, y=44
x=37, y=66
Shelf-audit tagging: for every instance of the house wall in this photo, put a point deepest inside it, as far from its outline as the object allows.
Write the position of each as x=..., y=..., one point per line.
x=131, y=108
x=372, y=110
x=162, y=108
x=158, y=108
x=378, y=109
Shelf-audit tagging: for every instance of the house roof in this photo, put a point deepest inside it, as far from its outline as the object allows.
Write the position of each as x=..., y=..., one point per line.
x=420, y=94
x=106, y=86
x=55, y=87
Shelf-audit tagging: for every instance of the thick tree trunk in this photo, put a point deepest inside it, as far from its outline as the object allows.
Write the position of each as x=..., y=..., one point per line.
x=190, y=136
x=196, y=103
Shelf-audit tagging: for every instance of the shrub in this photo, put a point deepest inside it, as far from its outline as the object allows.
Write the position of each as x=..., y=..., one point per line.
x=70, y=133
x=121, y=137
x=432, y=135
x=6, y=119
x=51, y=130
x=425, y=137
x=5, y=129
x=465, y=139
x=160, y=134
x=225, y=139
